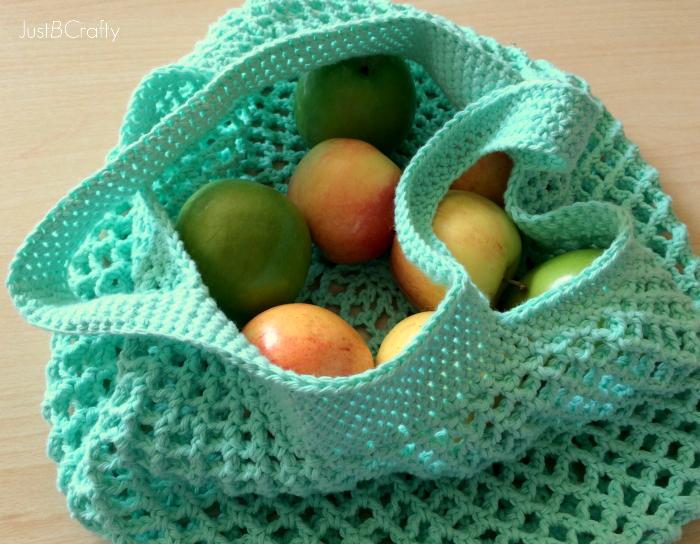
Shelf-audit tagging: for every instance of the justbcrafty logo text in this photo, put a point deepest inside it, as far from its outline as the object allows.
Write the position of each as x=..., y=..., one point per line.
x=72, y=29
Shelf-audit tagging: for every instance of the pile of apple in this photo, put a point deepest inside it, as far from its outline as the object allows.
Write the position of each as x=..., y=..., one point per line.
x=252, y=245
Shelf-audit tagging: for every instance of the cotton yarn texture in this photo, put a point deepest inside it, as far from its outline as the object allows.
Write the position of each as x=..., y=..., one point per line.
x=573, y=418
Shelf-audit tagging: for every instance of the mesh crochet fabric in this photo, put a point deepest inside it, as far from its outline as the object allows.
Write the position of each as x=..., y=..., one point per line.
x=573, y=418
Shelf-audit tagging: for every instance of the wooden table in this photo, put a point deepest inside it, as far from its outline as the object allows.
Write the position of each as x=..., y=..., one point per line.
x=63, y=101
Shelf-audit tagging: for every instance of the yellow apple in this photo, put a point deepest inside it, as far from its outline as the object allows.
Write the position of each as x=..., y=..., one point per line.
x=479, y=235
x=401, y=335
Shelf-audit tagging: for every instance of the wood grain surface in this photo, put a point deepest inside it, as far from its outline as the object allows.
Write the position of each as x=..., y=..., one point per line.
x=63, y=101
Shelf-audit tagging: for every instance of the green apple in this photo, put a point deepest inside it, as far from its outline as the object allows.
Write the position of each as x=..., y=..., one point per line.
x=549, y=275
x=250, y=243
x=372, y=99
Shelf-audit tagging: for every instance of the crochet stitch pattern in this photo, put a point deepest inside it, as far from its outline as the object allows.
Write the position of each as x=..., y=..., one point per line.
x=572, y=418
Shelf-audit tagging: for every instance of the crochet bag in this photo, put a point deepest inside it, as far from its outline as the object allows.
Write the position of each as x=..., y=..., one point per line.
x=572, y=418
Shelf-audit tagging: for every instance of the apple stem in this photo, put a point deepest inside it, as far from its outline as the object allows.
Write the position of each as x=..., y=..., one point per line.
x=521, y=286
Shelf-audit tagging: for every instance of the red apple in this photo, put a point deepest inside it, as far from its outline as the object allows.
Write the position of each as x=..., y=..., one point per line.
x=487, y=177
x=345, y=190
x=309, y=339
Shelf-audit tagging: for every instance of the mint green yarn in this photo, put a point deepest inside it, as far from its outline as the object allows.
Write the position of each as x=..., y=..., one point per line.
x=168, y=426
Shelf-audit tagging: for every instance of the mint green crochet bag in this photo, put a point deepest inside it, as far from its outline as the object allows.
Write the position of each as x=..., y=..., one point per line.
x=573, y=418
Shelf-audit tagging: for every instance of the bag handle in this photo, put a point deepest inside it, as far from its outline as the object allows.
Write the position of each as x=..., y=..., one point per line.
x=38, y=277
x=544, y=125
x=37, y=281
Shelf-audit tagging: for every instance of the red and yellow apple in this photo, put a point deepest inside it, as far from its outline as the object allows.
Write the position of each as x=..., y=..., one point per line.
x=345, y=190
x=400, y=336
x=478, y=234
x=309, y=339
x=487, y=177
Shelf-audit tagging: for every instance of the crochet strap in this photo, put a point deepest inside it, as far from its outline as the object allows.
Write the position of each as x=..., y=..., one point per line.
x=40, y=290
